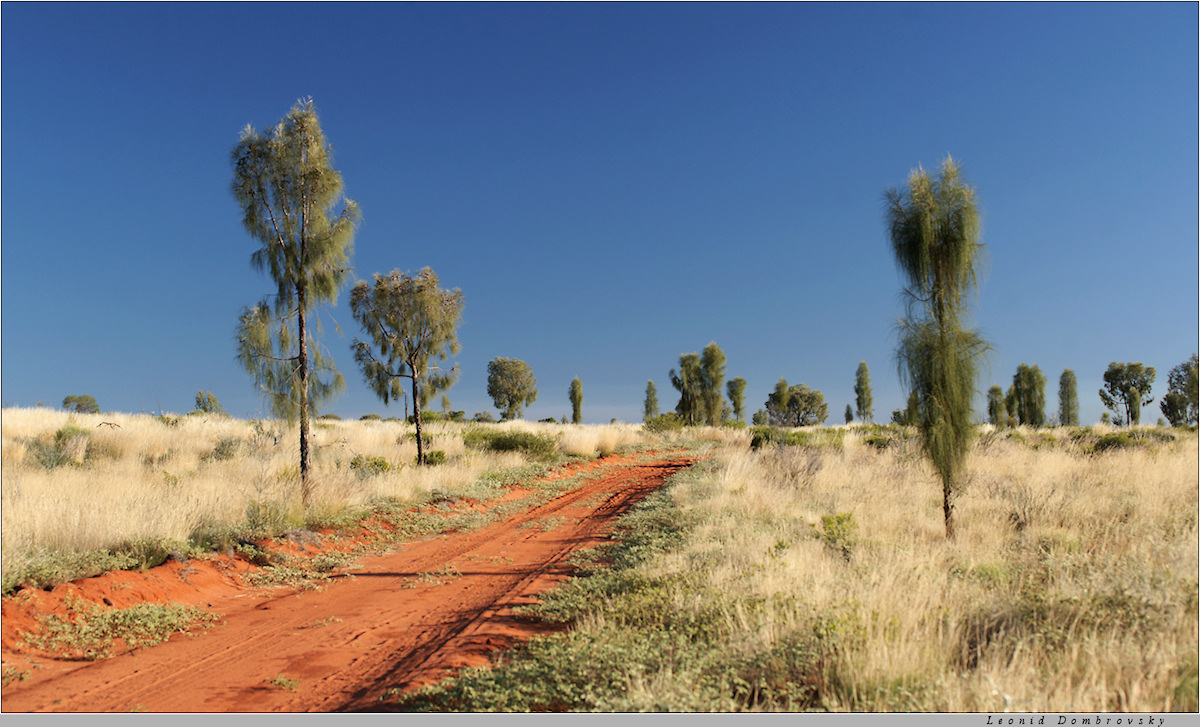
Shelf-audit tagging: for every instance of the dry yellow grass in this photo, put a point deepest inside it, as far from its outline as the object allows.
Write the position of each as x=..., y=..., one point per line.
x=134, y=477
x=1071, y=586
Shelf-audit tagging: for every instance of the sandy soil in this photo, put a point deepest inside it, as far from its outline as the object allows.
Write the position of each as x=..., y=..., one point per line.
x=392, y=621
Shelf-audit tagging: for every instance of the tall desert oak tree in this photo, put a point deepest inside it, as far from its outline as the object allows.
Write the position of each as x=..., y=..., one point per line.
x=576, y=394
x=292, y=205
x=863, y=401
x=413, y=324
x=1068, y=399
x=736, y=389
x=650, y=405
x=933, y=224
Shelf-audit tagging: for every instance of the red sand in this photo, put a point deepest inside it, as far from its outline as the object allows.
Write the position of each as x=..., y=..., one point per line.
x=386, y=623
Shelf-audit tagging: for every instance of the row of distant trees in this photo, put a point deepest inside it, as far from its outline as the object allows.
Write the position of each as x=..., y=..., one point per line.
x=1127, y=388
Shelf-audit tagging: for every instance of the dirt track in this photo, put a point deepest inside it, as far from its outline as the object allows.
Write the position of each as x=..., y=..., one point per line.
x=402, y=620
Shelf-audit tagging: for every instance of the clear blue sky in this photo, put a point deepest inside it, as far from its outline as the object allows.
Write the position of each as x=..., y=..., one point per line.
x=610, y=185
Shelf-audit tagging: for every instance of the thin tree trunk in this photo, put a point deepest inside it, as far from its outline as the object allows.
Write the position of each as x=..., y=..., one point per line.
x=305, y=455
x=302, y=321
x=948, y=509
x=417, y=421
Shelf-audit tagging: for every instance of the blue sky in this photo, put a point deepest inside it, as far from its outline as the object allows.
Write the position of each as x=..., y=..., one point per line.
x=610, y=185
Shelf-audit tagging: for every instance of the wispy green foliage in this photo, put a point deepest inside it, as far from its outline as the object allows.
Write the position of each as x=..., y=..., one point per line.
x=292, y=205
x=576, y=394
x=933, y=224
x=1182, y=400
x=1029, y=394
x=512, y=386
x=997, y=406
x=863, y=401
x=1127, y=389
x=689, y=383
x=712, y=378
x=207, y=402
x=1068, y=400
x=736, y=389
x=650, y=405
x=413, y=324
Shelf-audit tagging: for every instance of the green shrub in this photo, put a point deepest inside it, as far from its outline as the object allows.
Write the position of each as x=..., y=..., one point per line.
x=1134, y=438
x=370, y=418
x=669, y=422
x=90, y=632
x=760, y=436
x=837, y=532
x=435, y=456
x=819, y=437
x=226, y=449
x=537, y=446
x=67, y=447
x=366, y=467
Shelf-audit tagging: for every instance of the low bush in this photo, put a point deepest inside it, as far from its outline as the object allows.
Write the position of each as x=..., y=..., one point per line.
x=91, y=632
x=819, y=437
x=226, y=449
x=669, y=422
x=537, y=446
x=68, y=446
x=366, y=467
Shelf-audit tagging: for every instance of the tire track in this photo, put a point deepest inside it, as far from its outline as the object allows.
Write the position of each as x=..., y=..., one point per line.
x=402, y=619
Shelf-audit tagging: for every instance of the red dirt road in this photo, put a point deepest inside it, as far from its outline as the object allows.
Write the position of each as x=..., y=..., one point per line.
x=397, y=621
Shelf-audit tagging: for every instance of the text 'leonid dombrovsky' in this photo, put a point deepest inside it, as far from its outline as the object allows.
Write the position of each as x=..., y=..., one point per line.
x=1090, y=721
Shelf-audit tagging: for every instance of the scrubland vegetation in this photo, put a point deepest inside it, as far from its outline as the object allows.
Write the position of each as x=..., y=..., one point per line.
x=794, y=569
x=818, y=576
x=87, y=492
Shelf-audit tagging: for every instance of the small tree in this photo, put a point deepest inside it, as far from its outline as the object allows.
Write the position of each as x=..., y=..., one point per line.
x=576, y=394
x=413, y=324
x=1068, y=400
x=511, y=385
x=934, y=229
x=712, y=378
x=1029, y=391
x=207, y=402
x=849, y=414
x=795, y=406
x=82, y=404
x=1124, y=382
x=650, y=405
x=997, y=408
x=1182, y=400
x=689, y=383
x=862, y=393
x=910, y=415
x=289, y=194
x=736, y=389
